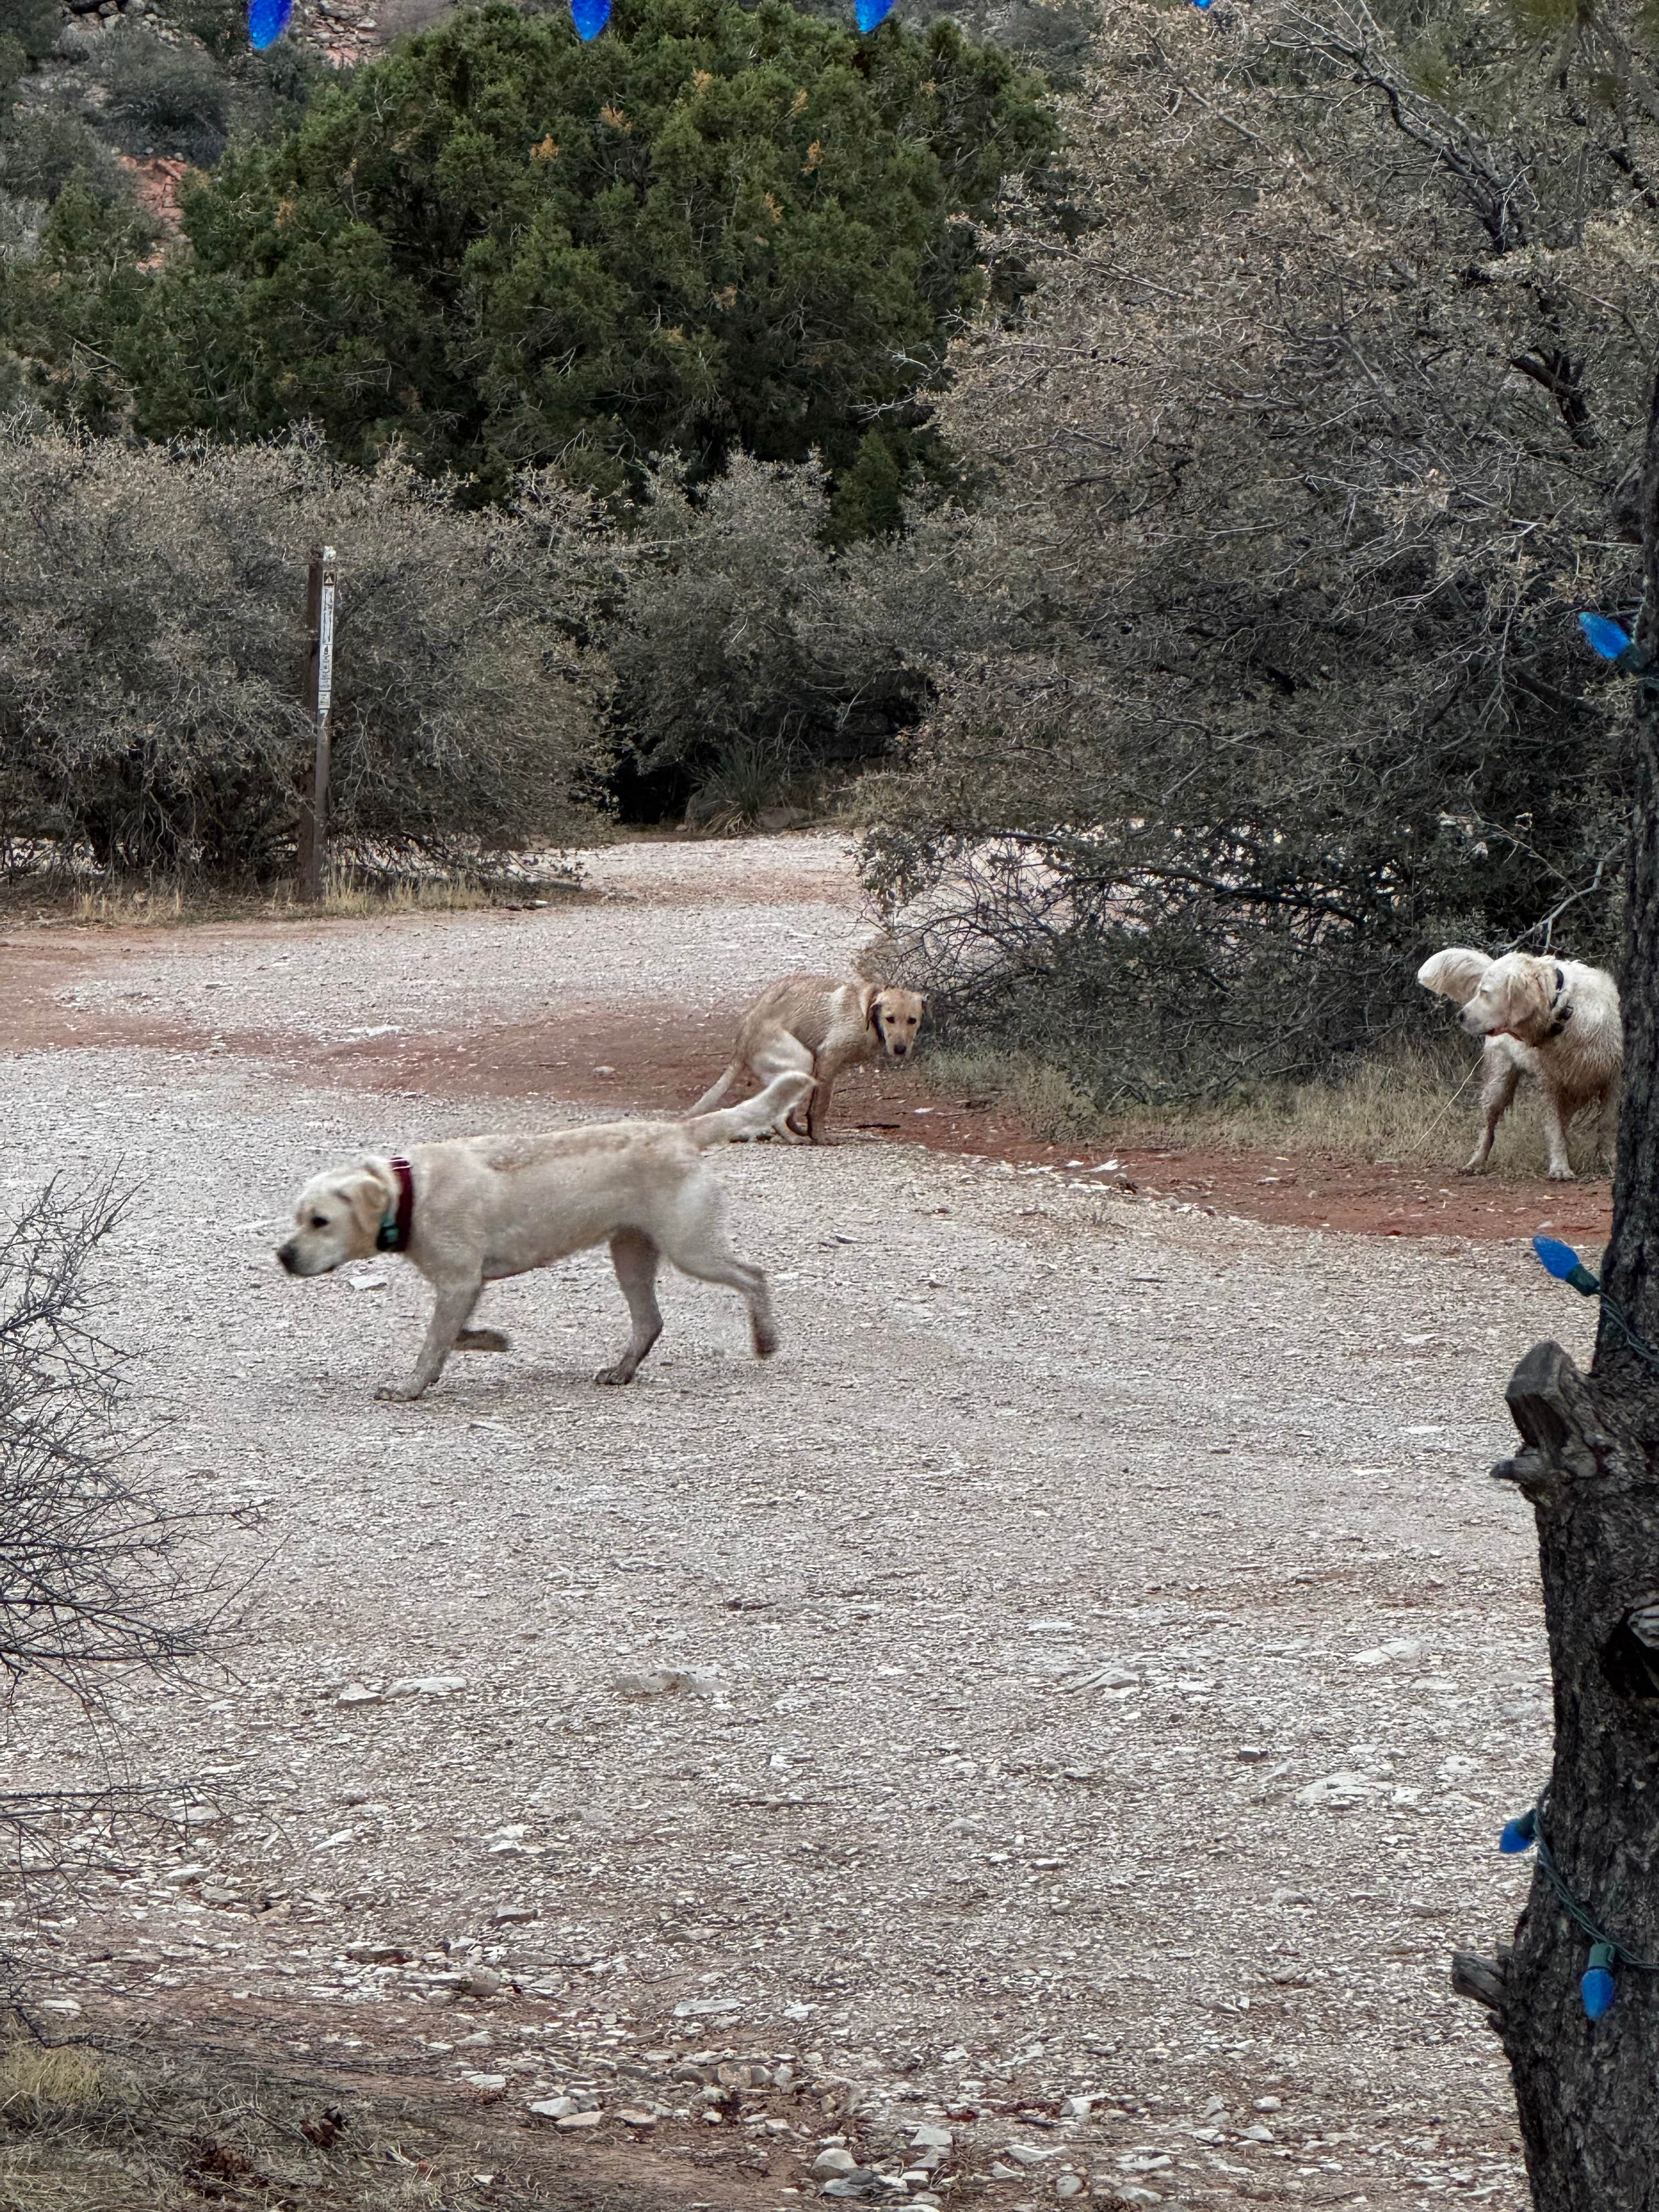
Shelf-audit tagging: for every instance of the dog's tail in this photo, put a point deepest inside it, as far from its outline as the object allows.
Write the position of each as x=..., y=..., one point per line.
x=1455, y=974
x=753, y=1117
x=712, y=1098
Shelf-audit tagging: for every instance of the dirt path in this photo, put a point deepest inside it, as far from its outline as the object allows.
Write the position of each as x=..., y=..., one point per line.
x=628, y=995
x=1067, y=1700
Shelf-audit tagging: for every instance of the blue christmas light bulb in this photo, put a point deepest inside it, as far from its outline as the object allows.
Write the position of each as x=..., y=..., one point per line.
x=1598, y=1989
x=1520, y=1834
x=590, y=17
x=267, y=20
x=1605, y=638
x=1559, y=1258
x=1565, y=1264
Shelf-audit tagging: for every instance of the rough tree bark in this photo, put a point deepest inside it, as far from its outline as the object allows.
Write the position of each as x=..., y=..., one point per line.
x=1588, y=2091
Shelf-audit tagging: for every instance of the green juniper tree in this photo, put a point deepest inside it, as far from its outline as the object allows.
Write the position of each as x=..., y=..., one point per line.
x=712, y=231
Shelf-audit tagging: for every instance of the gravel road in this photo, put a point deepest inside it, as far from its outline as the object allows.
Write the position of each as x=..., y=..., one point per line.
x=1065, y=1703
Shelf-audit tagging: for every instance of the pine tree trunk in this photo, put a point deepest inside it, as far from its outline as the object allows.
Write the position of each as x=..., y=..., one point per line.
x=1588, y=2091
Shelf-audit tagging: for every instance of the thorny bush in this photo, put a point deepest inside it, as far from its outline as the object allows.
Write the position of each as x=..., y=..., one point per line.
x=100, y=1577
x=91, y=1579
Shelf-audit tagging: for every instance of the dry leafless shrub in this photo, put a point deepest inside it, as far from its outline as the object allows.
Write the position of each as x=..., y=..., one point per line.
x=100, y=1579
x=91, y=1579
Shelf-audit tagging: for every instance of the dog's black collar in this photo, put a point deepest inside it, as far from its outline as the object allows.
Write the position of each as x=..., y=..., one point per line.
x=399, y=1219
x=1566, y=1014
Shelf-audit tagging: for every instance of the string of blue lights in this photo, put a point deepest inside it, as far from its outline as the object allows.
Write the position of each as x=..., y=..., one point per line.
x=267, y=20
x=1565, y=1264
x=1597, y=1987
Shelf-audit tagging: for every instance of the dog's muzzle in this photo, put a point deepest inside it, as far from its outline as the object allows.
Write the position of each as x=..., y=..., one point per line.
x=287, y=1259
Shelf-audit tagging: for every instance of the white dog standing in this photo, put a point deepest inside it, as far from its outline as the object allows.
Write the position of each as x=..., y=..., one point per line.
x=1555, y=1019
x=478, y=1209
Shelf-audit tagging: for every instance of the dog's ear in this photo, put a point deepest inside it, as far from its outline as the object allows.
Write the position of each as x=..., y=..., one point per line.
x=1528, y=988
x=872, y=1009
x=1456, y=974
x=368, y=1190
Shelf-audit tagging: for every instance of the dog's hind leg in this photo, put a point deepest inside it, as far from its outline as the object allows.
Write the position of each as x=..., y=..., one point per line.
x=1498, y=1084
x=635, y=1258
x=783, y=1055
x=480, y=1339
x=696, y=1243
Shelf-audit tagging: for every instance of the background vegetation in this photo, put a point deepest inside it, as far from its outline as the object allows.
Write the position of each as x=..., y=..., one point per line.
x=1180, y=487
x=714, y=231
x=1305, y=454
x=752, y=658
x=150, y=602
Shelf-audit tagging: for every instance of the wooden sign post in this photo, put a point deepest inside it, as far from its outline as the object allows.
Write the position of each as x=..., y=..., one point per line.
x=318, y=698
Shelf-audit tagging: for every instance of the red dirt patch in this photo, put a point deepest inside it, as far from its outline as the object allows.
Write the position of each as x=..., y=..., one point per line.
x=157, y=180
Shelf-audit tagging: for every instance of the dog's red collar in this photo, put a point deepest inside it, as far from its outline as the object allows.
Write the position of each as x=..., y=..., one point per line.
x=399, y=1219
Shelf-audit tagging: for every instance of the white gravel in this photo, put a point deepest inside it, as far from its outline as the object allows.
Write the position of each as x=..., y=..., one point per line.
x=699, y=925
x=1097, y=1664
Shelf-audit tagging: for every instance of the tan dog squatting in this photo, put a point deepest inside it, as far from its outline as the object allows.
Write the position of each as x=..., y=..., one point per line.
x=818, y=1026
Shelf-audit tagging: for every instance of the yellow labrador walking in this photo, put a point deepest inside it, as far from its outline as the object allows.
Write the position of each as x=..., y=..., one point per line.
x=478, y=1209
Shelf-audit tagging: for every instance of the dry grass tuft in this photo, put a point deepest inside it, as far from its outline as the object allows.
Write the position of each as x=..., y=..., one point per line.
x=348, y=895
x=1042, y=1096
x=40, y=2084
x=128, y=904
x=87, y=2130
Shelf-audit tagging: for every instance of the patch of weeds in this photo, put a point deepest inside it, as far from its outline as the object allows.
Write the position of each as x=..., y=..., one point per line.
x=1044, y=1098
x=1414, y=1106
x=106, y=2131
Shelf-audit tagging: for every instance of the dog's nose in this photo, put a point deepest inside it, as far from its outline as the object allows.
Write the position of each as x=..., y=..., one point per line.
x=899, y=1051
x=285, y=1254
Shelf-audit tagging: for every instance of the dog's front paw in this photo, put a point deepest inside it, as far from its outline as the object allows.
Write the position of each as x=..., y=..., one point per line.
x=1562, y=1175
x=400, y=1392
x=617, y=1374
x=482, y=1339
x=1473, y=1167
